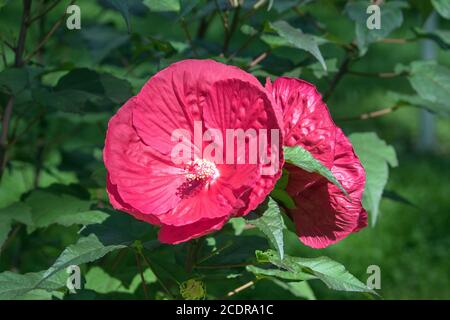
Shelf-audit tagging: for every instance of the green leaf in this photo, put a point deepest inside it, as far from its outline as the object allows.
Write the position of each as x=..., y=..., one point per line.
x=318, y=71
x=18, y=212
x=278, y=273
x=102, y=40
x=375, y=155
x=442, y=7
x=87, y=249
x=418, y=102
x=3, y=3
x=303, y=159
x=80, y=88
x=119, y=229
x=101, y=282
x=283, y=5
x=391, y=17
x=332, y=273
x=163, y=5
x=123, y=7
x=441, y=37
x=5, y=228
x=298, y=39
x=55, y=205
x=298, y=289
x=15, y=286
x=269, y=220
x=431, y=81
x=14, y=80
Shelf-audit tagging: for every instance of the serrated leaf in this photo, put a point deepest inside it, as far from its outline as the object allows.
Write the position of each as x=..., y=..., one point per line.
x=442, y=7
x=282, y=274
x=303, y=159
x=298, y=39
x=269, y=220
x=431, y=81
x=418, y=102
x=391, y=17
x=56, y=206
x=375, y=155
x=87, y=249
x=15, y=286
x=330, y=272
x=119, y=229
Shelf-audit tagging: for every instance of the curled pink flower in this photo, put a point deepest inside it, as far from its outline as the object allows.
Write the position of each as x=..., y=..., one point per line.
x=161, y=173
x=323, y=214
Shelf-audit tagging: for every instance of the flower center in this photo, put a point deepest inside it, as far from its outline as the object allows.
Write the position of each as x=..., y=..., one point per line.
x=201, y=170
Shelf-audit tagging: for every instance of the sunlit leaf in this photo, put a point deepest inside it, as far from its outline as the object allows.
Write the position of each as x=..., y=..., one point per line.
x=375, y=156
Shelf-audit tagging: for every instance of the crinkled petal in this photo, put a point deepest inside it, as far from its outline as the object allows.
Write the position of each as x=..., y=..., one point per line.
x=323, y=214
x=242, y=105
x=144, y=179
x=307, y=121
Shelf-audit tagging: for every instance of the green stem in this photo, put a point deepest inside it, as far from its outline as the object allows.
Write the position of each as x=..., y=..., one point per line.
x=161, y=283
x=138, y=263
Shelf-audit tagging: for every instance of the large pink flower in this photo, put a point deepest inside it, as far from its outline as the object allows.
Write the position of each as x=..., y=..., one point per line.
x=199, y=195
x=323, y=214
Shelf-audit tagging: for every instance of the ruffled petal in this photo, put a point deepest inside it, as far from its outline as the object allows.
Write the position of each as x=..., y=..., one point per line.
x=242, y=105
x=177, y=234
x=144, y=181
x=118, y=204
x=307, y=121
x=175, y=97
x=323, y=214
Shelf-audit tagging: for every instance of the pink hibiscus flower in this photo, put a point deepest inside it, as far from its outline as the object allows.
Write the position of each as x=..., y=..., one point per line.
x=323, y=214
x=197, y=195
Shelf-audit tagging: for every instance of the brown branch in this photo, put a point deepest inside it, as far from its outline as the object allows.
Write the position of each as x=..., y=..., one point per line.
x=144, y=284
x=18, y=62
x=373, y=114
x=45, y=39
x=9, y=45
x=20, y=48
x=376, y=75
x=397, y=40
x=258, y=59
x=161, y=283
x=44, y=12
x=241, y=288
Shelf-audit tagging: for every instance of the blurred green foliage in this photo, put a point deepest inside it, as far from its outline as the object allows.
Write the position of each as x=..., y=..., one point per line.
x=64, y=85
